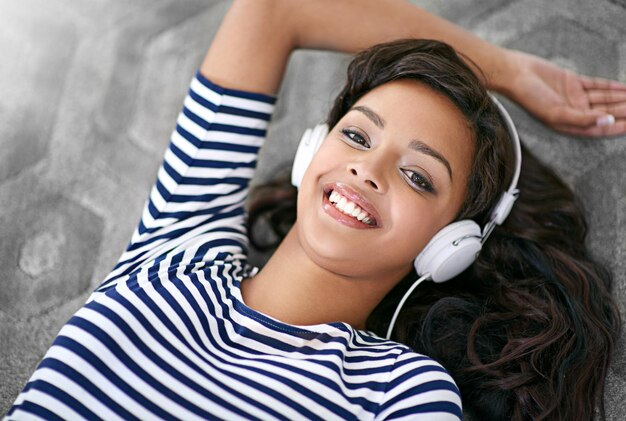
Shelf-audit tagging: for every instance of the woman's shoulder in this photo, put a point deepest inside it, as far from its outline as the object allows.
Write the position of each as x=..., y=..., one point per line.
x=208, y=90
x=418, y=385
x=411, y=363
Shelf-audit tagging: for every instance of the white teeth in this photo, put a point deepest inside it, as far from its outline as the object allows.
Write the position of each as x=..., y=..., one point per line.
x=348, y=207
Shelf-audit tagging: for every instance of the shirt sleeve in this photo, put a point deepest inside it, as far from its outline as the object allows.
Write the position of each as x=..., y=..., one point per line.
x=195, y=208
x=420, y=389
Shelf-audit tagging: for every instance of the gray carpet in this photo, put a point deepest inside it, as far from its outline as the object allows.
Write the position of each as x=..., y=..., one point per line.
x=89, y=92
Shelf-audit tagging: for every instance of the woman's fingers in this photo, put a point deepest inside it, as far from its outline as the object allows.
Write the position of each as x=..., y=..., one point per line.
x=568, y=116
x=602, y=121
x=606, y=97
x=616, y=129
x=598, y=83
x=617, y=110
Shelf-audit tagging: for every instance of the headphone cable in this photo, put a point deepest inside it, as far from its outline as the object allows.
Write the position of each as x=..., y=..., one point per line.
x=402, y=301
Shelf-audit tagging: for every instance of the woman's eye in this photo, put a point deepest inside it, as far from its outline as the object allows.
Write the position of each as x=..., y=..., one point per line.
x=420, y=181
x=355, y=137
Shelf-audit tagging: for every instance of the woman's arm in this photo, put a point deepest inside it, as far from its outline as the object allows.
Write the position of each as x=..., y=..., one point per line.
x=255, y=39
x=253, y=44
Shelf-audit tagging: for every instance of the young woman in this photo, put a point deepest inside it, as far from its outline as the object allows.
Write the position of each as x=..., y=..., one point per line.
x=183, y=327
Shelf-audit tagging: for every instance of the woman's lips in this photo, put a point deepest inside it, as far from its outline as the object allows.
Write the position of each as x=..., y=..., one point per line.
x=372, y=220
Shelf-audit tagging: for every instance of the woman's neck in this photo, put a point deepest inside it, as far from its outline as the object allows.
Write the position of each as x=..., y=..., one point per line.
x=295, y=290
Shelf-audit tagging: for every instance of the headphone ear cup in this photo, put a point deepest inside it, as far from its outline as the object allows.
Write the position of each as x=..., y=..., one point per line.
x=450, y=252
x=309, y=144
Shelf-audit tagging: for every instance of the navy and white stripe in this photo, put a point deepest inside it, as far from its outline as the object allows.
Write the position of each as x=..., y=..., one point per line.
x=168, y=335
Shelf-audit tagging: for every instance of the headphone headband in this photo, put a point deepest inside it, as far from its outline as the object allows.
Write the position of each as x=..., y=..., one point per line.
x=505, y=204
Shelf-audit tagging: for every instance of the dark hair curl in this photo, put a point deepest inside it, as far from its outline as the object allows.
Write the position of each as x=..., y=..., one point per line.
x=528, y=330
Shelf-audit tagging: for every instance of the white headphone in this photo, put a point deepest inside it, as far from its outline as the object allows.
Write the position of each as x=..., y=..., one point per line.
x=455, y=247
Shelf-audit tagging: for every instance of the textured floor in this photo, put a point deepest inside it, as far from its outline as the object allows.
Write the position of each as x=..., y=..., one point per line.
x=88, y=96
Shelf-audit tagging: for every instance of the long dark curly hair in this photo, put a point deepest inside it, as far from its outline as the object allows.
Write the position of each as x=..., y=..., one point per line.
x=528, y=330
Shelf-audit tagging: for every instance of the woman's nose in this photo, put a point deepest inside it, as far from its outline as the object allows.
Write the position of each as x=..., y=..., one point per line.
x=369, y=174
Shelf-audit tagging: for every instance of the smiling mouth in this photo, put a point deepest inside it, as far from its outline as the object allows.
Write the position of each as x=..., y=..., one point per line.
x=349, y=208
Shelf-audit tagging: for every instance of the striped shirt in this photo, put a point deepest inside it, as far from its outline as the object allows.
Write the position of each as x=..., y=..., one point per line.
x=167, y=334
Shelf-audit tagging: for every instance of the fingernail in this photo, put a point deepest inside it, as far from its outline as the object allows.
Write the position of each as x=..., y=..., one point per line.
x=605, y=120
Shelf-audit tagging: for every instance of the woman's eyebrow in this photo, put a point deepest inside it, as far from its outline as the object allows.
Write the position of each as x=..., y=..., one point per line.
x=371, y=114
x=419, y=146
x=416, y=145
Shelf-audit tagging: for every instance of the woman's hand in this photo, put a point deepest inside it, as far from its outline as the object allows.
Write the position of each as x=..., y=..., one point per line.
x=565, y=101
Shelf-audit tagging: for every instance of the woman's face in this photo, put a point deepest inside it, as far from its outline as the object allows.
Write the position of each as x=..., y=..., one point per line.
x=390, y=174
